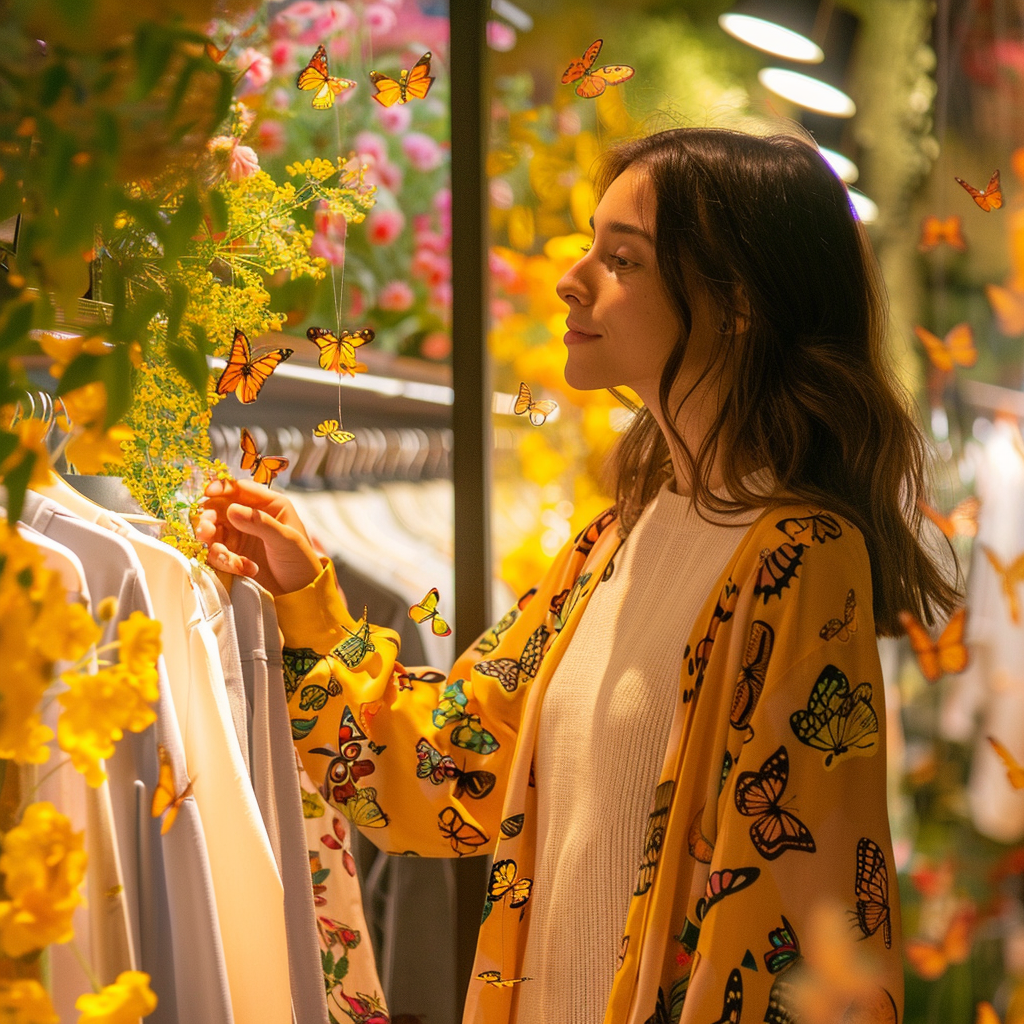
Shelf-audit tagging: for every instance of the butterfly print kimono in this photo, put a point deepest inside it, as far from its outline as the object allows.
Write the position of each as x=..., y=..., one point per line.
x=771, y=802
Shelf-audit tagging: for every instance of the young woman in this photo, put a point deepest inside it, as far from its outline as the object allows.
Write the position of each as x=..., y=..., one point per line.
x=673, y=746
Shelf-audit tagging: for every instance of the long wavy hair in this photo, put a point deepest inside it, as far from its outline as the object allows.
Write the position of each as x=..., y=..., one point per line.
x=766, y=228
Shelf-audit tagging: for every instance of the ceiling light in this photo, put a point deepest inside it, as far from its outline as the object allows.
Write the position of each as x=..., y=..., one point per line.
x=865, y=208
x=844, y=167
x=808, y=92
x=771, y=37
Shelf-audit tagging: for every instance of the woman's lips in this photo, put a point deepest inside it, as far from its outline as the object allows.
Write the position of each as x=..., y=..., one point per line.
x=573, y=336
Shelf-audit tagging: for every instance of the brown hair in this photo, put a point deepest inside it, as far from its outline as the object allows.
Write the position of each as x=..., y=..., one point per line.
x=767, y=229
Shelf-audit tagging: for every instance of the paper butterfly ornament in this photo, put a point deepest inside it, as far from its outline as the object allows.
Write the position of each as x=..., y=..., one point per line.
x=1008, y=307
x=991, y=198
x=935, y=231
x=591, y=81
x=426, y=611
x=1014, y=770
x=246, y=374
x=316, y=76
x=962, y=521
x=166, y=800
x=331, y=429
x=338, y=351
x=264, y=468
x=956, y=349
x=538, y=411
x=412, y=84
x=937, y=657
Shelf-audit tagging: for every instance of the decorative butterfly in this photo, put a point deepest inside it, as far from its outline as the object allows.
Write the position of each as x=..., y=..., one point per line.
x=785, y=947
x=352, y=651
x=426, y=611
x=725, y=883
x=316, y=76
x=363, y=810
x=732, y=1007
x=836, y=720
x=412, y=84
x=538, y=411
x=668, y=1009
x=347, y=766
x=937, y=657
x=1008, y=306
x=654, y=838
x=753, y=673
x=489, y=641
x=512, y=825
x=696, y=665
x=338, y=351
x=503, y=882
x=777, y=570
x=701, y=848
x=757, y=795
x=986, y=1014
x=511, y=672
x=565, y=601
x=438, y=767
x=1009, y=576
x=935, y=231
x=990, y=199
x=932, y=959
x=587, y=537
x=591, y=81
x=872, y=888
x=962, y=521
x=246, y=375
x=957, y=349
x=846, y=626
x=331, y=429
x=1014, y=771
x=166, y=800
x=214, y=52
x=465, y=838
x=816, y=528
x=264, y=468
x=297, y=663
x=407, y=677
x=468, y=732
x=495, y=978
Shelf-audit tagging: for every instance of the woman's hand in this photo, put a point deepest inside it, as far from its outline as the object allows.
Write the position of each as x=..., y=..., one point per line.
x=253, y=531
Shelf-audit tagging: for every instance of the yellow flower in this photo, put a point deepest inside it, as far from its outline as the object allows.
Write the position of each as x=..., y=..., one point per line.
x=121, y=1002
x=31, y=436
x=106, y=609
x=69, y=628
x=43, y=864
x=140, y=642
x=93, y=450
x=25, y=1002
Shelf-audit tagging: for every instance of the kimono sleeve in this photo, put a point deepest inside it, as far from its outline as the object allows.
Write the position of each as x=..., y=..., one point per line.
x=417, y=759
x=800, y=920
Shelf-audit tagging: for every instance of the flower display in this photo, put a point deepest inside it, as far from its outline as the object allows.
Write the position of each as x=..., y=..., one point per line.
x=26, y=1002
x=121, y=1002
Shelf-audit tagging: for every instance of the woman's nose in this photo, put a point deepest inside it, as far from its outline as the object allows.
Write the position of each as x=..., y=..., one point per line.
x=573, y=285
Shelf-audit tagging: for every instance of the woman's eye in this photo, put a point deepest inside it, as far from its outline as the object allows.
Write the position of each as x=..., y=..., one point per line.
x=619, y=261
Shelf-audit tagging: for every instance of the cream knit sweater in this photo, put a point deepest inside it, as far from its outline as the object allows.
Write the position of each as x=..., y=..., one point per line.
x=603, y=732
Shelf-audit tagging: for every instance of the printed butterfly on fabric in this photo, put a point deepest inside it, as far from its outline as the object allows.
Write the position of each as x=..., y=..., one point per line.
x=338, y=351
x=563, y=603
x=935, y=231
x=426, y=611
x=654, y=837
x=697, y=661
x=962, y=521
x=511, y=673
x=669, y=1009
x=331, y=429
x=504, y=881
x=166, y=799
x=948, y=654
x=412, y=84
x=585, y=540
x=956, y=349
x=725, y=883
x=1014, y=770
x=315, y=75
x=347, y=766
x=701, y=848
x=406, y=677
x=438, y=767
x=872, y=889
x=246, y=374
x=353, y=650
x=1010, y=575
x=263, y=468
x=989, y=199
x=512, y=825
x=836, y=720
x=777, y=569
x=931, y=960
x=785, y=948
x=464, y=837
x=489, y=641
x=1008, y=306
x=732, y=1006
x=297, y=663
x=494, y=978
x=468, y=732
x=538, y=411
x=314, y=697
x=591, y=81
x=842, y=629
x=753, y=673
x=816, y=528
x=363, y=810
x=775, y=830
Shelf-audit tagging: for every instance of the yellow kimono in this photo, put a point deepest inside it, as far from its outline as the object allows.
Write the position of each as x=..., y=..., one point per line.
x=771, y=802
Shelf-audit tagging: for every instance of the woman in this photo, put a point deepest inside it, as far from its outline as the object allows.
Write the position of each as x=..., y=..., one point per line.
x=674, y=745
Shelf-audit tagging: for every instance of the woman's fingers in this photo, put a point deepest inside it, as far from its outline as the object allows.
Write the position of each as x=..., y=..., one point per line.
x=222, y=558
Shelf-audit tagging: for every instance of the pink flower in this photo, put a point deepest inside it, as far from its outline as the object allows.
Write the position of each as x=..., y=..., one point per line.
x=432, y=241
x=384, y=226
x=380, y=18
x=443, y=201
x=356, y=302
x=430, y=268
x=395, y=297
x=244, y=163
x=259, y=68
x=333, y=252
x=302, y=10
x=270, y=137
x=501, y=270
x=279, y=99
x=333, y=225
x=500, y=37
x=394, y=120
x=501, y=308
x=501, y=194
x=282, y=56
x=436, y=345
x=422, y=151
x=334, y=16
x=339, y=47
x=388, y=175
x=421, y=223
x=440, y=298
x=371, y=144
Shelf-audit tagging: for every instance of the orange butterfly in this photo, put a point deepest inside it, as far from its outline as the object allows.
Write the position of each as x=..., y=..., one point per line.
x=986, y=1014
x=962, y=520
x=935, y=231
x=593, y=81
x=165, y=800
x=1014, y=771
x=338, y=352
x=414, y=84
x=215, y=53
x=316, y=76
x=264, y=467
x=931, y=959
x=948, y=654
x=1009, y=577
x=957, y=349
x=245, y=375
x=991, y=198
x=1008, y=306
x=538, y=411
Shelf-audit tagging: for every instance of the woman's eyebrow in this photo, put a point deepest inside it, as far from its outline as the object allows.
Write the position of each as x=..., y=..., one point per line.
x=623, y=228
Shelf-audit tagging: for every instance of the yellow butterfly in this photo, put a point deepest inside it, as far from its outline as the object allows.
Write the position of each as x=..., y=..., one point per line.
x=495, y=978
x=504, y=883
x=331, y=429
x=842, y=628
x=165, y=800
x=338, y=353
x=956, y=349
x=426, y=611
x=1014, y=771
x=413, y=84
x=1008, y=306
x=1009, y=576
x=538, y=411
x=315, y=76
x=363, y=809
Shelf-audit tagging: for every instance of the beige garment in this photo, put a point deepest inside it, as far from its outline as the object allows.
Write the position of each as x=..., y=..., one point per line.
x=603, y=730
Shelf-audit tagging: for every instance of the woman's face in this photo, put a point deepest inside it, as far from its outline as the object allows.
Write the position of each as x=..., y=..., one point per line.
x=621, y=323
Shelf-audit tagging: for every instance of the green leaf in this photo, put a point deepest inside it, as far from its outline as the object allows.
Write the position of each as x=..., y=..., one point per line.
x=312, y=805
x=340, y=969
x=153, y=51
x=17, y=324
x=218, y=211
x=117, y=376
x=82, y=370
x=225, y=94
x=193, y=367
x=16, y=482
x=176, y=309
x=183, y=225
x=327, y=961
x=302, y=727
x=321, y=876
x=181, y=87
x=53, y=81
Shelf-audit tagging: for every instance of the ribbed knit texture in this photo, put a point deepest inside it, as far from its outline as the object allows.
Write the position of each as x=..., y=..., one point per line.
x=604, y=727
